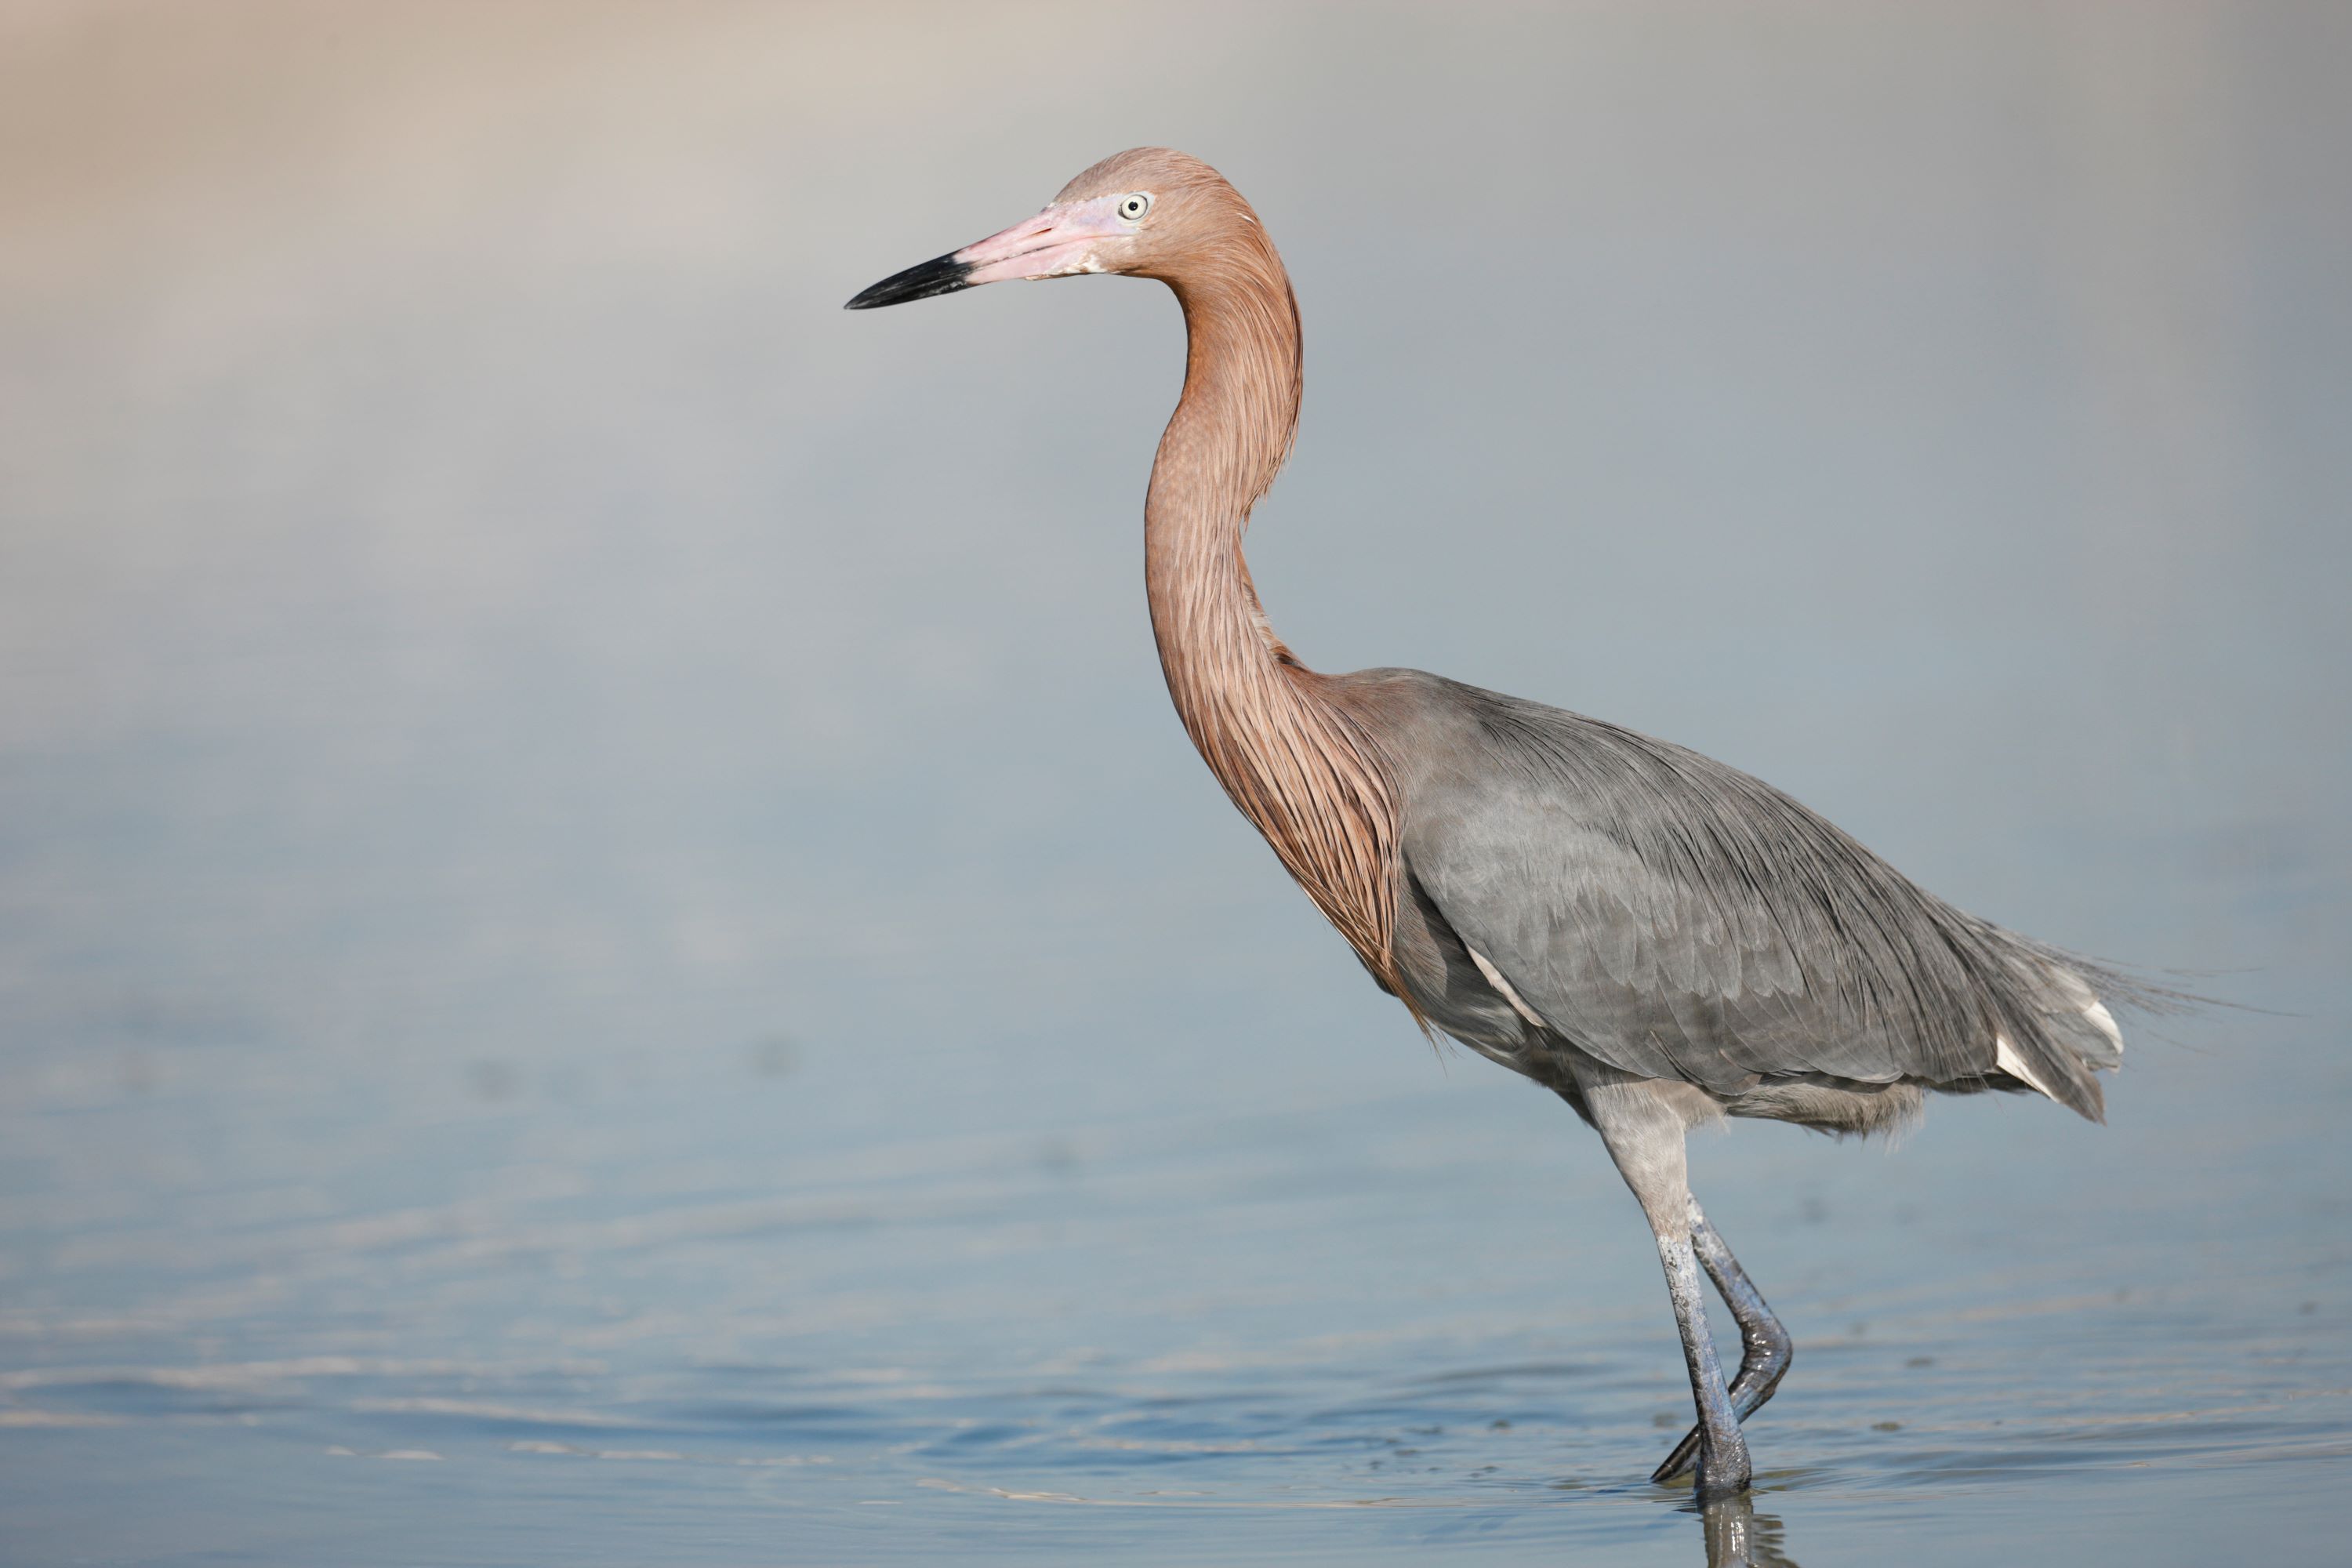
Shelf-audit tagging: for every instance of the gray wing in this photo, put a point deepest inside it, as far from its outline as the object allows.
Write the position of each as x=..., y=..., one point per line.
x=1678, y=919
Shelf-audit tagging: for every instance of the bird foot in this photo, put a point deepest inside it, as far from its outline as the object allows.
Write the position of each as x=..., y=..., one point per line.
x=1686, y=1452
x=1762, y=1364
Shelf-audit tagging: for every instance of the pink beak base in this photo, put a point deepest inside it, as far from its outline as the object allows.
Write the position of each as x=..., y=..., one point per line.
x=1058, y=243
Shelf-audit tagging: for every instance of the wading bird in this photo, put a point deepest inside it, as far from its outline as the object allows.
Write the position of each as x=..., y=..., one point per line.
x=1660, y=939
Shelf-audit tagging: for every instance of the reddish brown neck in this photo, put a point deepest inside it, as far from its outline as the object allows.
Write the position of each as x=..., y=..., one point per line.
x=1297, y=766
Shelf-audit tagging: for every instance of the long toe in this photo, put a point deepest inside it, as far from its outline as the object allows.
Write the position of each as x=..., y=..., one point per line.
x=1679, y=1462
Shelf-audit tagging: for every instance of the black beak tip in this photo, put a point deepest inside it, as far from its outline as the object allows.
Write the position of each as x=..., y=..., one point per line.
x=940, y=274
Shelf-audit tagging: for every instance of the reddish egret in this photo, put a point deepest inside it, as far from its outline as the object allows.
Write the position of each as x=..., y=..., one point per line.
x=1659, y=938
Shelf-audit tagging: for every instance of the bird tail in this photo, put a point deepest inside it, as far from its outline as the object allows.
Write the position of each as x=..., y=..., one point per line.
x=2055, y=1018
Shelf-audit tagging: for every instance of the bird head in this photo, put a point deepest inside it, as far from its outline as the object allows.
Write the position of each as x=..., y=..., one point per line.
x=1142, y=212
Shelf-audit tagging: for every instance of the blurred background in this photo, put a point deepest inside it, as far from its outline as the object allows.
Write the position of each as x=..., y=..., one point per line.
x=599, y=893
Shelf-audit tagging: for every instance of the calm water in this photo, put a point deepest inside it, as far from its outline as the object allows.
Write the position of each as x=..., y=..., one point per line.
x=608, y=951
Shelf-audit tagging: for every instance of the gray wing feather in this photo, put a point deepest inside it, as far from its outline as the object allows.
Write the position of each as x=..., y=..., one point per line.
x=1679, y=919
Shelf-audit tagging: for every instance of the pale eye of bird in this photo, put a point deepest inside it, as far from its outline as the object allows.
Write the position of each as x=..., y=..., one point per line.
x=1133, y=207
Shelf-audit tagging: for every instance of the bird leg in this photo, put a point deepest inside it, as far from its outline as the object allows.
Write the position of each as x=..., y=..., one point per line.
x=1645, y=1132
x=1766, y=1349
x=1723, y=1463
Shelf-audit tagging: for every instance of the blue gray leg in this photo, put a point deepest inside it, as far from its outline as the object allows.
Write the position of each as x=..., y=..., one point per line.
x=1723, y=1463
x=1766, y=1349
x=1643, y=1129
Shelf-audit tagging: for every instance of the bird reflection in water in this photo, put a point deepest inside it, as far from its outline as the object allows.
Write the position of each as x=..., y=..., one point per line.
x=1739, y=1537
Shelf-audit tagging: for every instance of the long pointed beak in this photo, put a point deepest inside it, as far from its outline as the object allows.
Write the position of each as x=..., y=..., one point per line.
x=940, y=274
x=1059, y=242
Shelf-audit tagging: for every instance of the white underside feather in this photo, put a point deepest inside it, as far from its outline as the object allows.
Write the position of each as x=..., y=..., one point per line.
x=1495, y=978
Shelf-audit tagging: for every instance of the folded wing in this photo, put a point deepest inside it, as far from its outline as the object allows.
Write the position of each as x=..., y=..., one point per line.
x=1677, y=918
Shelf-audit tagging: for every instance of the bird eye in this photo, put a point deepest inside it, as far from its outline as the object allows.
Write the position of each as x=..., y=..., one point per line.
x=1133, y=207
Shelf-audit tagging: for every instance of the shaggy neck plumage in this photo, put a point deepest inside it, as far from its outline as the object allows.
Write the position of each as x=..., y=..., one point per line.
x=1297, y=766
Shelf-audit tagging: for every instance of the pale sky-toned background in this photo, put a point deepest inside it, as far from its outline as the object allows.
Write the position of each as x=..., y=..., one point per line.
x=435, y=468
